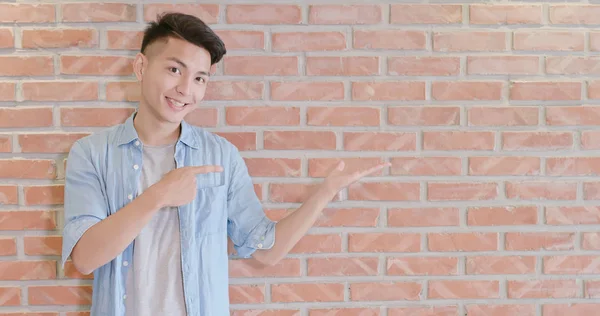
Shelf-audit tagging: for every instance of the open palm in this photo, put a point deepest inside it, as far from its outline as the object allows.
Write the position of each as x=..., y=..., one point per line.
x=339, y=178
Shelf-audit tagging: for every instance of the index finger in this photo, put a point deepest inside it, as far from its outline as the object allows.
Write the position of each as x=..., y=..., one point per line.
x=206, y=169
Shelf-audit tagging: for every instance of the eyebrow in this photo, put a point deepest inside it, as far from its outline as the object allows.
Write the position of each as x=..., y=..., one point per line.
x=175, y=59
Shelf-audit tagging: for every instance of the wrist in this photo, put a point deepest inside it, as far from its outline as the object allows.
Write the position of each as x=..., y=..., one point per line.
x=153, y=200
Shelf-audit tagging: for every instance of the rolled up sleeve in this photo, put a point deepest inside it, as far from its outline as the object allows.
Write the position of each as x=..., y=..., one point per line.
x=84, y=197
x=248, y=226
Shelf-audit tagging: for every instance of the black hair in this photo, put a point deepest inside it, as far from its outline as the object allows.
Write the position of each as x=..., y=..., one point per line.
x=188, y=28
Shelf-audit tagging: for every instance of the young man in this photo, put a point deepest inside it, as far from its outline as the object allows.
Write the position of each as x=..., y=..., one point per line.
x=150, y=203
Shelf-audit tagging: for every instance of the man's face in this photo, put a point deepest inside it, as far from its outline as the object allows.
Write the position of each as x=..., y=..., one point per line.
x=173, y=77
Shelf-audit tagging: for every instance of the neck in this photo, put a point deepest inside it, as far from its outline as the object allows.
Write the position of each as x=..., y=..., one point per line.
x=153, y=132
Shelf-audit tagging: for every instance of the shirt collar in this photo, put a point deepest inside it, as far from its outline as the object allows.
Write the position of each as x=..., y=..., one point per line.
x=129, y=134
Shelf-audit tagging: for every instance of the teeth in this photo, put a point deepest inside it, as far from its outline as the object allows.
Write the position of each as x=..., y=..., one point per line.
x=177, y=104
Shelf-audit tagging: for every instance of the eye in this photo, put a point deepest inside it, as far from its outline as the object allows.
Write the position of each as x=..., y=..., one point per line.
x=200, y=79
x=174, y=70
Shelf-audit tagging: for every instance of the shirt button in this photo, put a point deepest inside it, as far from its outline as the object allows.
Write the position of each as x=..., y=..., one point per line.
x=125, y=263
x=124, y=297
x=130, y=196
x=259, y=245
x=135, y=167
x=137, y=143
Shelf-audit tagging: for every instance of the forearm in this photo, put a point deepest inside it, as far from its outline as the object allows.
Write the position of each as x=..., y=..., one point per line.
x=107, y=239
x=291, y=228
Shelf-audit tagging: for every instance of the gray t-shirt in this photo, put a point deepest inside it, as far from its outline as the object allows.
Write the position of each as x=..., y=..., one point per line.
x=154, y=283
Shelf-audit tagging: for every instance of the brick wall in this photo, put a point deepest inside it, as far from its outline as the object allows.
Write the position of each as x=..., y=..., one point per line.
x=488, y=112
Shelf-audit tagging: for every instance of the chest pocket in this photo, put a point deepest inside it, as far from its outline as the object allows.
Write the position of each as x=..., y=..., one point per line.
x=209, y=208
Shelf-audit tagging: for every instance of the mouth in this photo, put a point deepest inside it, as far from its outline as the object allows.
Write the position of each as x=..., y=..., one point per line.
x=175, y=103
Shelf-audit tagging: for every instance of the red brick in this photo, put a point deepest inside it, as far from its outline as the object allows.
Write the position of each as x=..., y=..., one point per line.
x=29, y=66
x=60, y=91
x=500, y=265
x=60, y=295
x=260, y=65
x=580, y=14
x=542, y=289
x=384, y=242
x=307, y=91
x=573, y=116
x=246, y=294
x=209, y=13
x=463, y=241
x=98, y=12
x=126, y=40
x=383, y=191
x=572, y=166
x=291, y=192
x=501, y=310
x=469, y=41
x=335, y=266
x=570, y=309
x=8, y=195
x=422, y=217
x=423, y=311
x=345, y=14
x=325, y=243
x=11, y=296
x=299, y=140
x=538, y=190
x=572, y=65
x=248, y=268
x=44, y=194
x=590, y=140
x=389, y=39
x=539, y=241
x=308, y=41
x=43, y=245
x=572, y=215
x=8, y=246
x=426, y=266
x=48, y=143
x=202, y=116
x=372, y=311
x=28, y=168
x=236, y=39
x=96, y=65
x=504, y=165
x=542, y=40
x=273, y=167
x=301, y=292
x=7, y=89
x=423, y=66
x=342, y=66
x=7, y=38
x=342, y=116
x=263, y=312
x=25, y=117
x=27, y=270
x=336, y=217
x=380, y=141
x=458, y=140
x=503, y=65
x=590, y=241
x=537, y=140
x=123, y=91
x=385, y=291
x=464, y=90
x=461, y=289
x=425, y=14
x=93, y=117
x=27, y=13
x=28, y=220
x=388, y=91
x=263, y=14
x=321, y=167
x=262, y=116
x=59, y=38
x=242, y=140
x=502, y=215
x=234, y=90
x=494, y=14
x=425, y=166
x=503, y=116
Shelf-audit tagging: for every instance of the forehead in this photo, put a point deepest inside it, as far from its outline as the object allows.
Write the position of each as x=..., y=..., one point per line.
x=192, y=55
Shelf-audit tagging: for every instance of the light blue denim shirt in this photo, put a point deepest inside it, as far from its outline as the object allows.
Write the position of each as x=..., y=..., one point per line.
x=101, y=178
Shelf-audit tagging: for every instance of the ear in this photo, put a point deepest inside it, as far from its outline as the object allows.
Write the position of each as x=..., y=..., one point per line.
x=139, y=65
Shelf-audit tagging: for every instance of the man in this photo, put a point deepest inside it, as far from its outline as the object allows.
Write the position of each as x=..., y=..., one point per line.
x=150, y=203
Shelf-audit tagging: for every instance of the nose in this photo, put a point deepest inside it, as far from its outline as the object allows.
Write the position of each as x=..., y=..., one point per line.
x=183, y=88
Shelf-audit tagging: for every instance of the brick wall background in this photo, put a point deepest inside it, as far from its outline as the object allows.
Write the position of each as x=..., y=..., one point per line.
x=488, y=112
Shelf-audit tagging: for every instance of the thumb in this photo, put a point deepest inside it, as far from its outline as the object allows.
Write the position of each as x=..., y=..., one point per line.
x=341, y=165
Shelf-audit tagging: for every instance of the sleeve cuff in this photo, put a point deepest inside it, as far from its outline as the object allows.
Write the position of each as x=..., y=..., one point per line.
x=262, y=237
x=73, y=232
